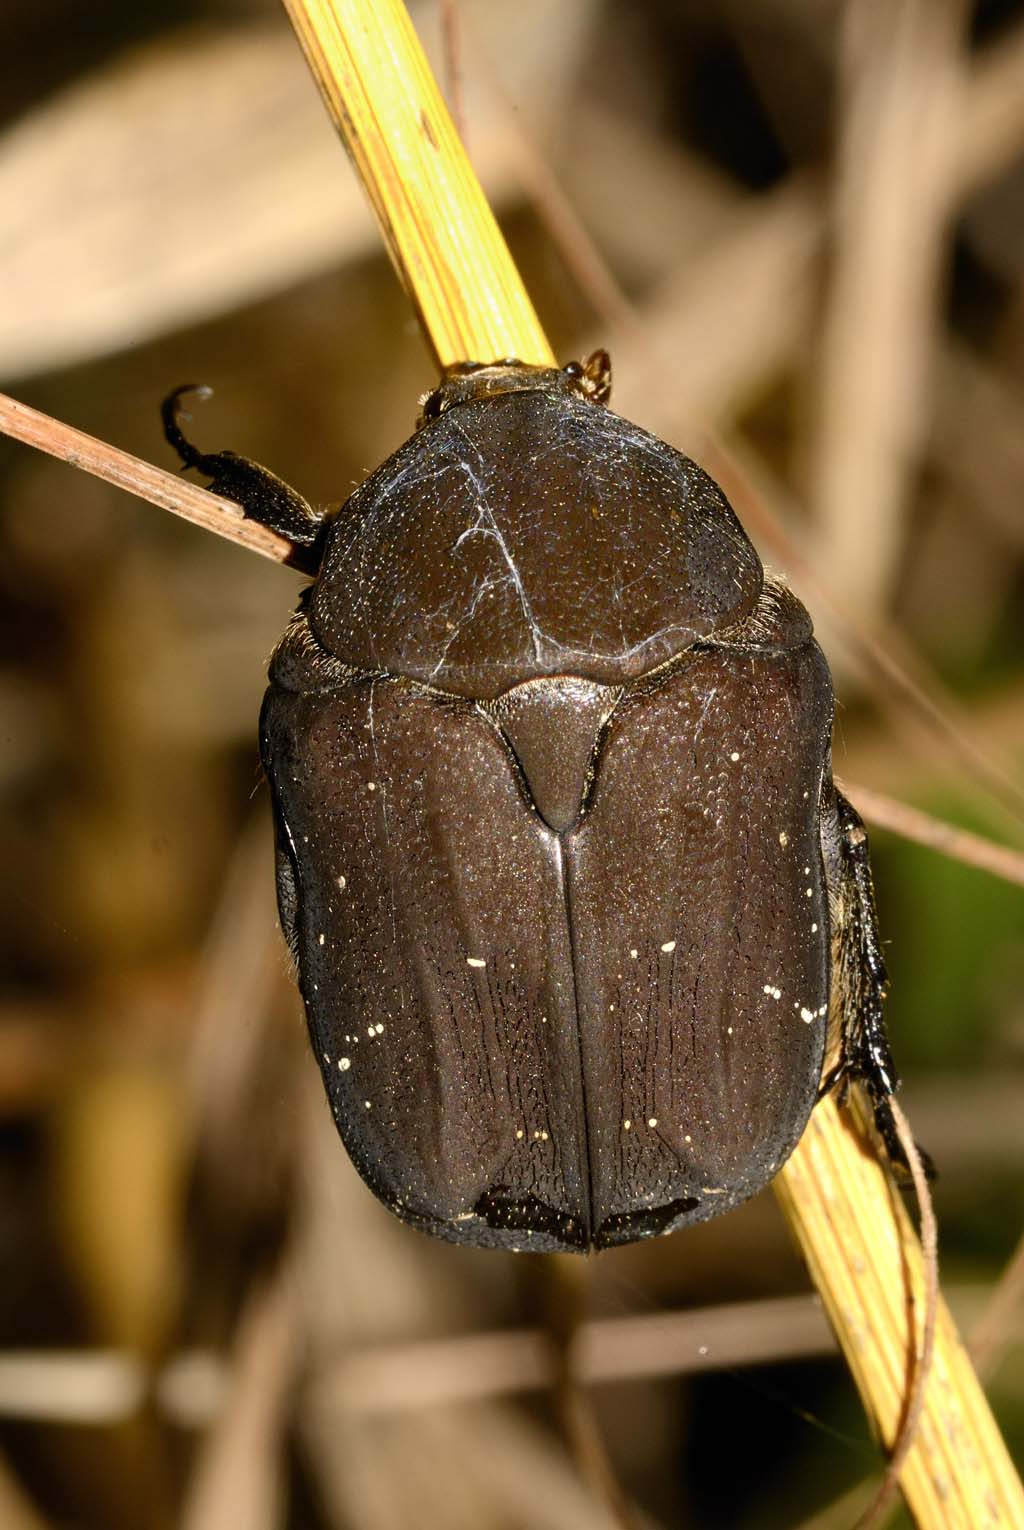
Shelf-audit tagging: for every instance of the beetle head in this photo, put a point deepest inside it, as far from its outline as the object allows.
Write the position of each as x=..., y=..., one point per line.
x=590, y=379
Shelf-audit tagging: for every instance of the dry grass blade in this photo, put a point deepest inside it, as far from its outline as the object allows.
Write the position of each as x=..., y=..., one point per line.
x=567, y=1284
x=450, y=30
x=238, y=1477
x=221, y=516
x=411, y=163
x=896, y=154
x=994, y=1328
x=87, y=192
x=104, y=1387
x=383, y=1378
x=866, y=1262
x=925, y=1351
x=393, y=1376
x=859, y=1244
x=924, y=829
x=16, y=1512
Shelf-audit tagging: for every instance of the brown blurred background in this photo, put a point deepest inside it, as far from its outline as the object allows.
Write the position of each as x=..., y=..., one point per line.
x=799, y=227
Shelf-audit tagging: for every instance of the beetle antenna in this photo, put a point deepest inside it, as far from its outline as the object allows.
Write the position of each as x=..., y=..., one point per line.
x=923, y=1360
x=171, y=412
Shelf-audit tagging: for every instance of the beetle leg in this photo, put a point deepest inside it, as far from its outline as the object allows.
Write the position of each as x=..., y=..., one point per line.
x=262, y=495
x=859, y=972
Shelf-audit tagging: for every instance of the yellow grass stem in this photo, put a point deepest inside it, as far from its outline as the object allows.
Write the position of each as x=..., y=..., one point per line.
x=860, y=1246
x=865, y=1259
x=440, y=232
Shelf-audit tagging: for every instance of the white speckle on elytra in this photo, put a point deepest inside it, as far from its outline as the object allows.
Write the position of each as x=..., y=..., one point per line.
x=783, y=839
x=652, y=1121
x=669, y=947
x=321, y=938
x=379, y=1029
x=773, y=993
x=327, y=1057
x=814, y=929
x=823, y=1010
x=807, y=871
x=371, y=1032
x=344, y=1063
x=634, y=953
x=728, y=1030
x=806, y=795
x=341, y=883
x=367, y=1104
x=476, y=961
x=806, y=1015
x=734, y=756
x=687, y=1138
x=371, y=786
x=810, y=892
x=520, y=1134
x=626, y=1125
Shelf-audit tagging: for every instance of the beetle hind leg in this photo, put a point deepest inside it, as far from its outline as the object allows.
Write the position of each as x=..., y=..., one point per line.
x=859, y=974
x=262, y=495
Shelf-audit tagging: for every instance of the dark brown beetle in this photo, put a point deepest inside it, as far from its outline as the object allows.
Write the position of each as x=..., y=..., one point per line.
x=560, y=858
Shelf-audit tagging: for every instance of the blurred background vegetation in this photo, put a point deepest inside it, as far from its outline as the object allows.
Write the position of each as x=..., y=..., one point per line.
x=799, y=227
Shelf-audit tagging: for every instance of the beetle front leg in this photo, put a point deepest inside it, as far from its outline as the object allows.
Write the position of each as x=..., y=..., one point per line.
x=262, y=495
x=859, y=972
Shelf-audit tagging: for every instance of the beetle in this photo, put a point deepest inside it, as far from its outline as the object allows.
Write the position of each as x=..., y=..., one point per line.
x=576, y=908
